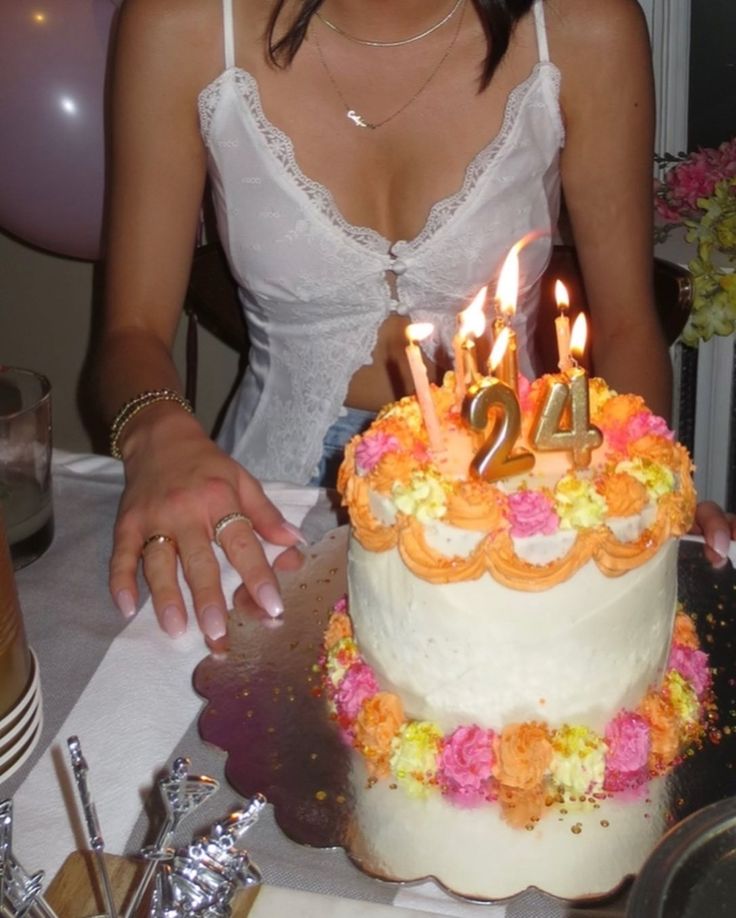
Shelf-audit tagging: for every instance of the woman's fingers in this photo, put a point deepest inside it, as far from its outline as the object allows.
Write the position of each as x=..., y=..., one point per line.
x=244, y=551
x=159, y=556
x=266, y=518
x=717, y=529
x=123, y=566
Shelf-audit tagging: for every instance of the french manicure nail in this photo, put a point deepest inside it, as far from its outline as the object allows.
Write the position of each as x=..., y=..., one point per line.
x=213, y=622
x=173, y=622
x=292, y=530
x=125, y=603
x=270, y=599
x=721, y=543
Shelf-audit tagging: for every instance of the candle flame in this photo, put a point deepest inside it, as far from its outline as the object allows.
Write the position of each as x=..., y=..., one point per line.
x=561, y=296
x=579, y=335
x=472, y=320
x=499, y=349
x=418, y=331
x=508, y=281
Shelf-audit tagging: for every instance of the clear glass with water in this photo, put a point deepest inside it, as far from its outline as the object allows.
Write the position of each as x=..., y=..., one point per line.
x=25, y=463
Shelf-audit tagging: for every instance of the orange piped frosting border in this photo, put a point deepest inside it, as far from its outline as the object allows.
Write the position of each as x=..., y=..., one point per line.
x=396, y=492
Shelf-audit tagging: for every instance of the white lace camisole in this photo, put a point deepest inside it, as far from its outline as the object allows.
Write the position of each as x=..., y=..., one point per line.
x=314, y=287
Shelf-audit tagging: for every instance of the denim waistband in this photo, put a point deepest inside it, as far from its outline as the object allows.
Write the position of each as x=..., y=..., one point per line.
x=352, y=421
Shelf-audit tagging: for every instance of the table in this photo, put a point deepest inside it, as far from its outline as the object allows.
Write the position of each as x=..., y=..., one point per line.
x=125, y=690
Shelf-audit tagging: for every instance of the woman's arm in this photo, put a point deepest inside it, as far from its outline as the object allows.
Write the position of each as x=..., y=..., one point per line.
x=608, y=104
x=178, y=483
x=607, y=98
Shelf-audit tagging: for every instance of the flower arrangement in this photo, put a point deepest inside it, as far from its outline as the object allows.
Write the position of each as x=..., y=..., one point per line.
x=698, y=191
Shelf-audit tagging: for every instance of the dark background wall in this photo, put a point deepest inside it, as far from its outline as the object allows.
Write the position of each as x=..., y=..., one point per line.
x=712, y=112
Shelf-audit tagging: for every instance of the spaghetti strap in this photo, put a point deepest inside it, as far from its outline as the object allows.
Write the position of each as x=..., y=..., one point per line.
x=541, y=26
x=227, y=24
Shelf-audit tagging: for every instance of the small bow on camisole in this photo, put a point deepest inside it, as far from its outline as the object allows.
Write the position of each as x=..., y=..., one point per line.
x=314, y=287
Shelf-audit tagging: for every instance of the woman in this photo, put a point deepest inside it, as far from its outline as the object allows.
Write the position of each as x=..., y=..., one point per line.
x=370, y=160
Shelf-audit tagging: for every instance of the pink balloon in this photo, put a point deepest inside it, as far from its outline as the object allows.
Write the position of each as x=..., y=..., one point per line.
x=52, y=158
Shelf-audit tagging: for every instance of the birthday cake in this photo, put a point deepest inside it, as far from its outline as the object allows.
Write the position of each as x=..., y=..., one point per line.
x=511, y=648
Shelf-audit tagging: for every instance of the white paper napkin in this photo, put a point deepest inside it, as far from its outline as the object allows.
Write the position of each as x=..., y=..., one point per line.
x=129, y=718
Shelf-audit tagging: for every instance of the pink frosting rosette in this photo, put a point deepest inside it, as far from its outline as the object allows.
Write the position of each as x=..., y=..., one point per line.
x=372, y=448
x=628, y=739
x=531, y=513
x=357, y=684
x=465, y=765
x=644, y=423
x=692, y=665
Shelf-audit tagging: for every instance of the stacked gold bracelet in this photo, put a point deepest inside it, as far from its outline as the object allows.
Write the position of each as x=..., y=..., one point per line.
x=131, y=408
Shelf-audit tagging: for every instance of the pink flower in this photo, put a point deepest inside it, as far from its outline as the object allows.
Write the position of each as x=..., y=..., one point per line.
x=372, y=448
x=531, y=513
x=465, y=765
x=341, y=605
x=628, y=740
x=644, y=423
x=692, y=665
x=694, y=177
x=358, y=684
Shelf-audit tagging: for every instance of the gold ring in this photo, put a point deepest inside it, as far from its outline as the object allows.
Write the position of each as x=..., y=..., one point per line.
x=157, y=538
x=223, y=523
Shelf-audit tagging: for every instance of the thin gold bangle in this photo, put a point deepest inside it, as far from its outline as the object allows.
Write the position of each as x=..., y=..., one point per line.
x=131, y=408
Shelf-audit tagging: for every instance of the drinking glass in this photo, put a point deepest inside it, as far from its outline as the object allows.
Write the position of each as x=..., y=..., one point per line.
x=25, y=463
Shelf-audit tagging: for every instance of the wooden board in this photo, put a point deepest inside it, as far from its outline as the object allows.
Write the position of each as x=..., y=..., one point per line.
x=75, y=890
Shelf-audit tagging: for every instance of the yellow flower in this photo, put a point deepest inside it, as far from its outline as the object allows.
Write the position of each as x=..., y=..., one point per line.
x=414, y=756
x=683, y=698
x=340, y=658
x=657, y=479
x=579, y=759
x=424, y=497
x=578, y=504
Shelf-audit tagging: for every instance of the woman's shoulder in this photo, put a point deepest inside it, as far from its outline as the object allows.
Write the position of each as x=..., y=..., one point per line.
x=184, y=37
x=580, y=25
x=596, y=39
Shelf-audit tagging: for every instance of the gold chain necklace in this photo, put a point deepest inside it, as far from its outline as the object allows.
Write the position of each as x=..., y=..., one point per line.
x=390, y=44
x=357, y=119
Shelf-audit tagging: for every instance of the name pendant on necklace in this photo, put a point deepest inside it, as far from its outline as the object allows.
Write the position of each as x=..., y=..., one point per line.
x=358, y=120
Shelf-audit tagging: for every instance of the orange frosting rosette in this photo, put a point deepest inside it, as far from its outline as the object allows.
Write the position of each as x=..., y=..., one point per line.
x=685, y=632
x=339, y=627
x=662, y=718
x=378, y=722
x=521, y=808
x=656, y=449
x=624, y=494
x=523, y=755
x=476, y=505
x=618, y=409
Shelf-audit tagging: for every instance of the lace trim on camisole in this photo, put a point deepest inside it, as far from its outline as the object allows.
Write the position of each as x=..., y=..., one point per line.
x=282, y=148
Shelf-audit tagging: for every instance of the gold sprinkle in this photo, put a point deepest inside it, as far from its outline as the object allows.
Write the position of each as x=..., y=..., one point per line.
x=605, y=823
x=576, y=829
x=270, y=729
x=313, y=756
x=340, y=799
x=249, y=713
x=321, y=795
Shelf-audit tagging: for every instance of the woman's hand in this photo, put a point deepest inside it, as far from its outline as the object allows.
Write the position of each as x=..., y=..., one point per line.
x=179, y=485
x=717, y=528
